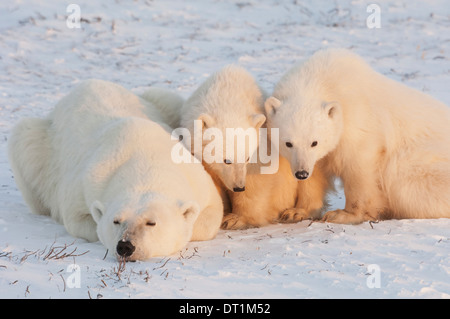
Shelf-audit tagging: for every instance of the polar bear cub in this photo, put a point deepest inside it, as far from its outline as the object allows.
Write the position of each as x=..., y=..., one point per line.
x=99, y=165
x=230, y=99
x=388, y=143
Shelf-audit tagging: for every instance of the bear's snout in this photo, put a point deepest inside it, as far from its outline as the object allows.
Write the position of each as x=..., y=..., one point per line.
x=301, y=174
x=125, y=248
x=239, y=189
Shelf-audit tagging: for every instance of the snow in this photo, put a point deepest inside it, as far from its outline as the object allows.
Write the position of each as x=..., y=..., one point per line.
x=177, y=44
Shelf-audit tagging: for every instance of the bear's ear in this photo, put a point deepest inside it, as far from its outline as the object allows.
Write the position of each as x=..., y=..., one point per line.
x=97, y=209
x=207, y=120
x=271, y=105
x=332, y=108
x=190, y=211
x=257, y=120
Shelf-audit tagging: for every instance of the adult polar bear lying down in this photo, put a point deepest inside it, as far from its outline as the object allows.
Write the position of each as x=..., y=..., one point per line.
x=99, y=166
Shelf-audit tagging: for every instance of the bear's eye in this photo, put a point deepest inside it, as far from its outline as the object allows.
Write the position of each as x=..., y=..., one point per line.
x=116, y=222
x=227, y=161
x=313, y=144
x=289, y=144
x=150, y=223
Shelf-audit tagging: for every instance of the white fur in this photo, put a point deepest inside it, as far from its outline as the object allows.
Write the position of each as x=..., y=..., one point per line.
x=227, y=99
x=168, y=103
x=231, y=98
x=102, y=168
x=389, y=143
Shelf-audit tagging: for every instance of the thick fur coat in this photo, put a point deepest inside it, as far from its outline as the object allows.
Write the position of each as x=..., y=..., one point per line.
x=100, y=164
x=387, y=142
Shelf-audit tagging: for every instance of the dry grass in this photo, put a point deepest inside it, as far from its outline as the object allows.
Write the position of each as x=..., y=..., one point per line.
x=54, y=252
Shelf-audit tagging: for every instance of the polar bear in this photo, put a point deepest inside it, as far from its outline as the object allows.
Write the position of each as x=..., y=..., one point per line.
x=100, y=164
x=387, y=142
x=231, y=99
x=167, y=102
x=227, y=99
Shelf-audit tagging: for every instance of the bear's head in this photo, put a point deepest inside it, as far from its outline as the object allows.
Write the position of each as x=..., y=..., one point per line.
x=145, y=228
x=229, y=101
x=229, y=146
x=308, y=130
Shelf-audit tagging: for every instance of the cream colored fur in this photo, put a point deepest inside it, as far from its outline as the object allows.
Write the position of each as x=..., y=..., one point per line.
x=100, y=164
x=390, y=144
x=230, y=98
x=167, y=102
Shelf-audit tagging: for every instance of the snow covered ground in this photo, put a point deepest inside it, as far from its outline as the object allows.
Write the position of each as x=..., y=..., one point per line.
x=176, y=44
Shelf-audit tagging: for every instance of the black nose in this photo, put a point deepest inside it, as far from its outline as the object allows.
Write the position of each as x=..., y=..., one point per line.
x=125, y=248
x=301, y=174
x=239, y=189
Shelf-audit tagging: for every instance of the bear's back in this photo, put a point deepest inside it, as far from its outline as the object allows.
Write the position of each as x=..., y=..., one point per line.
x=137, y=153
